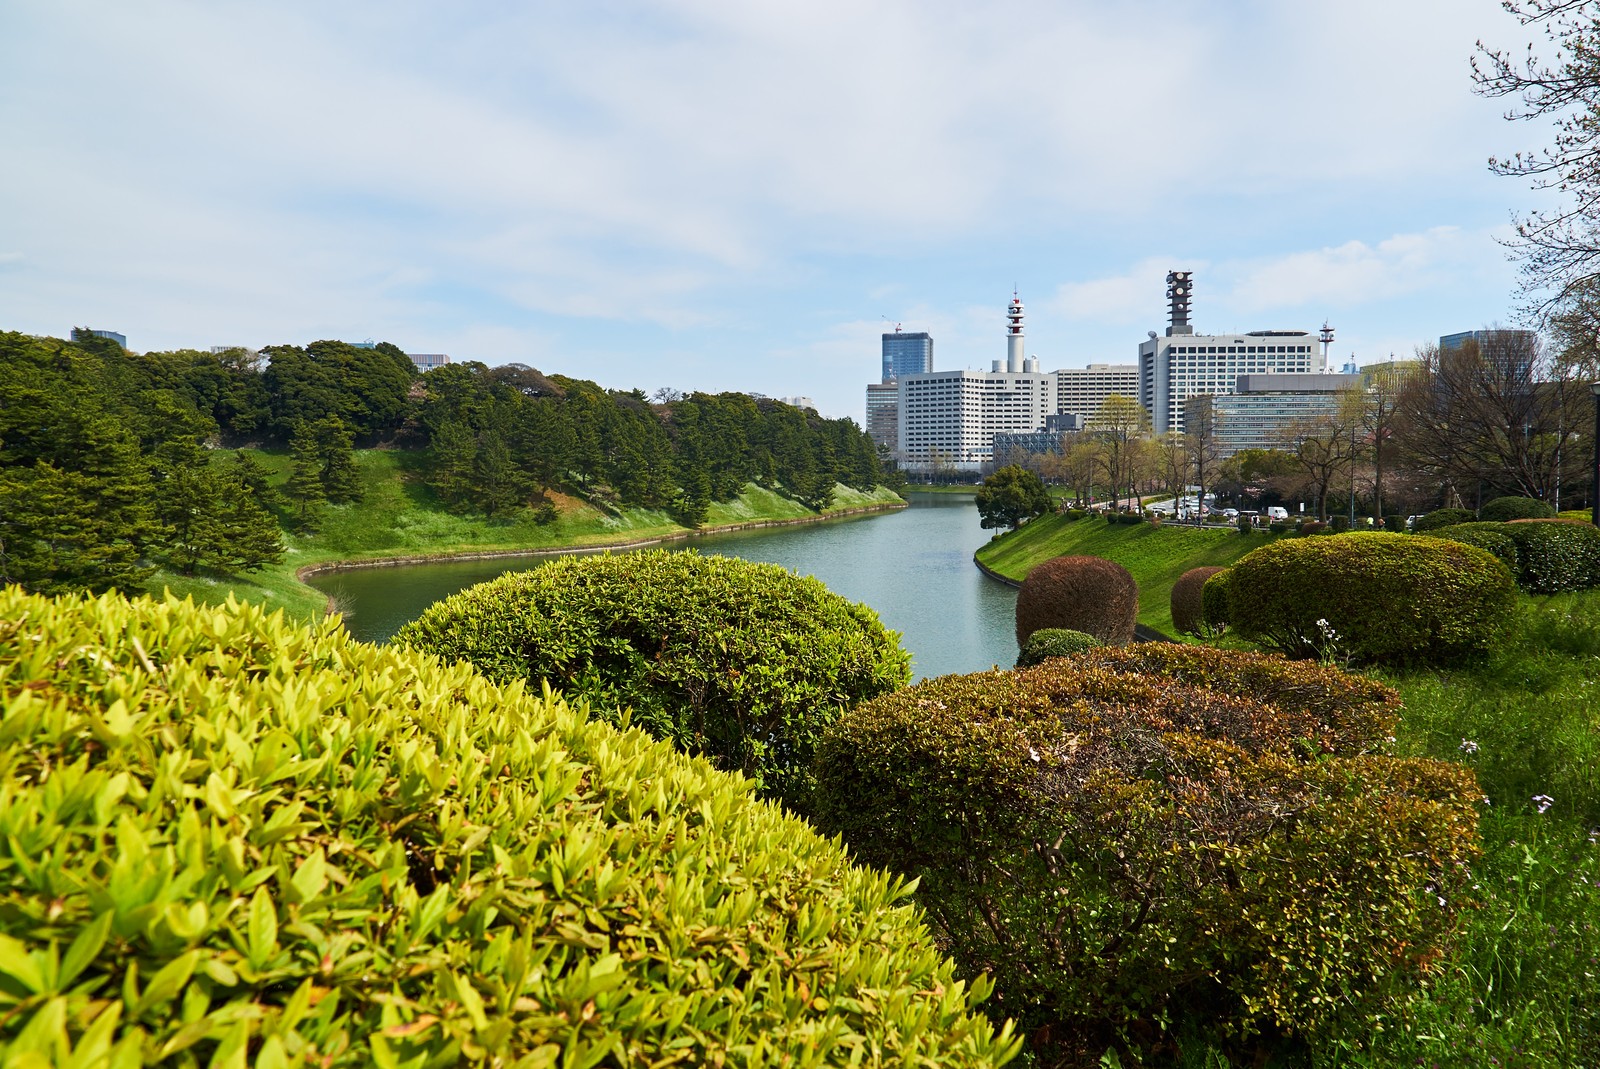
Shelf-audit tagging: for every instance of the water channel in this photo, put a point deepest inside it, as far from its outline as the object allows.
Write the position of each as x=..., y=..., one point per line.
x=913, y=566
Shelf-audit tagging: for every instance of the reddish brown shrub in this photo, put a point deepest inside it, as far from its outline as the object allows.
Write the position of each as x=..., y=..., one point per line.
x=1186, y=607
x=1088, y=594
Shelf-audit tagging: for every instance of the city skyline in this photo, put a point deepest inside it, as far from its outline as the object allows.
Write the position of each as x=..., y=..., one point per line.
x=709, y=196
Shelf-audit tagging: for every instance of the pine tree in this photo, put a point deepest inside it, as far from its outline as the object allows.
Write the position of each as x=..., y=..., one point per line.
x=304, y=488
x=251, y=536
x=185, y=496
x=341, y=482
x=455, y=454
x=501, y=485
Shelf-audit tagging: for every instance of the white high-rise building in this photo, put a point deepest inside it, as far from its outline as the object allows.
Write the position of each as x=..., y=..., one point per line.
x=1183, y=364
x=950, y=418
x=1080, y=391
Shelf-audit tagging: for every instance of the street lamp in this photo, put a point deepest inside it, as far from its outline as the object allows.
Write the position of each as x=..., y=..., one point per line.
x=1594, y=487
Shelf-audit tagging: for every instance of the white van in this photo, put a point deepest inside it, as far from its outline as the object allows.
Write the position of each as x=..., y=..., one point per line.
x=1277, y=512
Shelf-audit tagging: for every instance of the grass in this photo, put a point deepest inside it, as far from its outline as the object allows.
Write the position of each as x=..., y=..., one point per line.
x=400, y=517
x=1156, y=555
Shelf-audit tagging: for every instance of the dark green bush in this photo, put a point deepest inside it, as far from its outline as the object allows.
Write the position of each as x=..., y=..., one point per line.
x=743, y=662
x=1502, y=509
x=1372, y=598
x=1278, y=526
x=1555, y=555
x=1188, y=610
x=1088, y=594
x=1125, y=841
x=1313, y=527
x=1340, y=524
x=1048, y=642
x=1394, y=523
x=1214, y=611
x=1244, y=524
x=229, y=840
x=1489, y=536
x=1443, y=518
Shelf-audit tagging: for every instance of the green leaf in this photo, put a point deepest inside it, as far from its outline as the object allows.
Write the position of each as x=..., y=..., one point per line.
x=17, y=963
x=263, y=928
x=311, y=877
x=167, y=982
x=84, y=949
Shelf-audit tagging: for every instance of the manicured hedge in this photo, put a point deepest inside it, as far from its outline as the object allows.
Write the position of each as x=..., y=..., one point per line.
x=1372, y=598
x=1555, y=555
x=743, y=662
x=1161, y=836
x=1214, y=610
x=1488, y=536
x=1502, y=509
x=1048, y=642
x=1443, y=518
x=226, y=840
x=1089, y=594
x=1188, y=614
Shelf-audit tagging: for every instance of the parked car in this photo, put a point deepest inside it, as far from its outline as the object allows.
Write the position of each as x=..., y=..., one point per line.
x=1230, y=514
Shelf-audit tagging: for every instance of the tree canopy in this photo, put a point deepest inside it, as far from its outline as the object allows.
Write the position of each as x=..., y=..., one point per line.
x=1011, y=497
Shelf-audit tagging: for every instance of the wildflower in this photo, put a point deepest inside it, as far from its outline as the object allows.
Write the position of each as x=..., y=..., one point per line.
x=1468, y=747
x=1543, y=801
x=1033, y=753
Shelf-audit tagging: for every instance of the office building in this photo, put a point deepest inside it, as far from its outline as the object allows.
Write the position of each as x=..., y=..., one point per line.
x=883, y=414
x=1082, y=390
x=1182, y=364
x=428, y=361
x=949, y=419
x=906, y=354
x=1262, y=410
x=85, y=333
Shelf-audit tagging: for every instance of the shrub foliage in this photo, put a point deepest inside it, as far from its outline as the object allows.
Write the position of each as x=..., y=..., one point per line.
x=743, y=662
x=1373, y=598
x=1502, y=509
x=1188, y=614
x=1089, y=594
x=227, y=840
x=1443, y=518
x=1555, y=555
x=1126, y=843
x=1048, y=642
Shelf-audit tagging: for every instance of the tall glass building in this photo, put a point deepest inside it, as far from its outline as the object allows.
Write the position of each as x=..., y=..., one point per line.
x=907, y=354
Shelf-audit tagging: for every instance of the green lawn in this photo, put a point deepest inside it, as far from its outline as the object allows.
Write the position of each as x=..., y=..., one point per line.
x=400, y=517
x=1155, y=555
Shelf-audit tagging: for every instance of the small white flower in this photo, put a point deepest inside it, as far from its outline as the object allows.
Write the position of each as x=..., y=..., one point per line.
x=1468, y=747
x=1033, y=753
x=1543, y=801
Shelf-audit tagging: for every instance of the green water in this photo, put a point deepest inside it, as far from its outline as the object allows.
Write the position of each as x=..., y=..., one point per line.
x=914, y=567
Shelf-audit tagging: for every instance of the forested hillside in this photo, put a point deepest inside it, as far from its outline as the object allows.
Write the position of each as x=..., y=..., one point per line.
x=113, y=464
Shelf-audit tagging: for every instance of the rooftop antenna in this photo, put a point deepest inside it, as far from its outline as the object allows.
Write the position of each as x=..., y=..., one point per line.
x=1326, y=337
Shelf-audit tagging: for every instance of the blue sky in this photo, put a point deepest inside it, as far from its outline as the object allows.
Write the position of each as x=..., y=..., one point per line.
x=743, y=196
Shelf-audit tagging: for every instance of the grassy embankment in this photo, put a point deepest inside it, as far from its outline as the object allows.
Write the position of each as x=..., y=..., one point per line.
x=1156, y=555
x=399, y=517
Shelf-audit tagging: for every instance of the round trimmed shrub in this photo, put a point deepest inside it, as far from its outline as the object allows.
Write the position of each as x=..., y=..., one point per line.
x=1340, y=524
x=1188, y=610
x=1443, y=518
x=1372, y=598
x=1214, y=610
x=1125, y=837
x=230, y=840
x=1489, y=536
x=1394, y=523
x=742, y=662
x=1502, y=509
x=1555, y=555
x=1088, y=594
x=1048, y=642
x=1313, y=527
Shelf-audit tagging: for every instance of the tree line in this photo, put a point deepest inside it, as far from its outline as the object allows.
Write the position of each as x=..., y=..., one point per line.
x=110, y=463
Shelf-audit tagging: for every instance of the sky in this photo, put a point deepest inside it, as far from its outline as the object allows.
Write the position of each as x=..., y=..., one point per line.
x=726, y=195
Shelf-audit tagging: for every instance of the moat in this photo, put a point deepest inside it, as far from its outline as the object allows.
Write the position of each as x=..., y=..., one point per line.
x=913, y=566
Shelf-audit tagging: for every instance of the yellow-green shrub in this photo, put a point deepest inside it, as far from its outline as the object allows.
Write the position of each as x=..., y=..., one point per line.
x=1048, y=642
x=1127, y=843
x=743, y=662
x=228, y=840
x=1372, y=598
